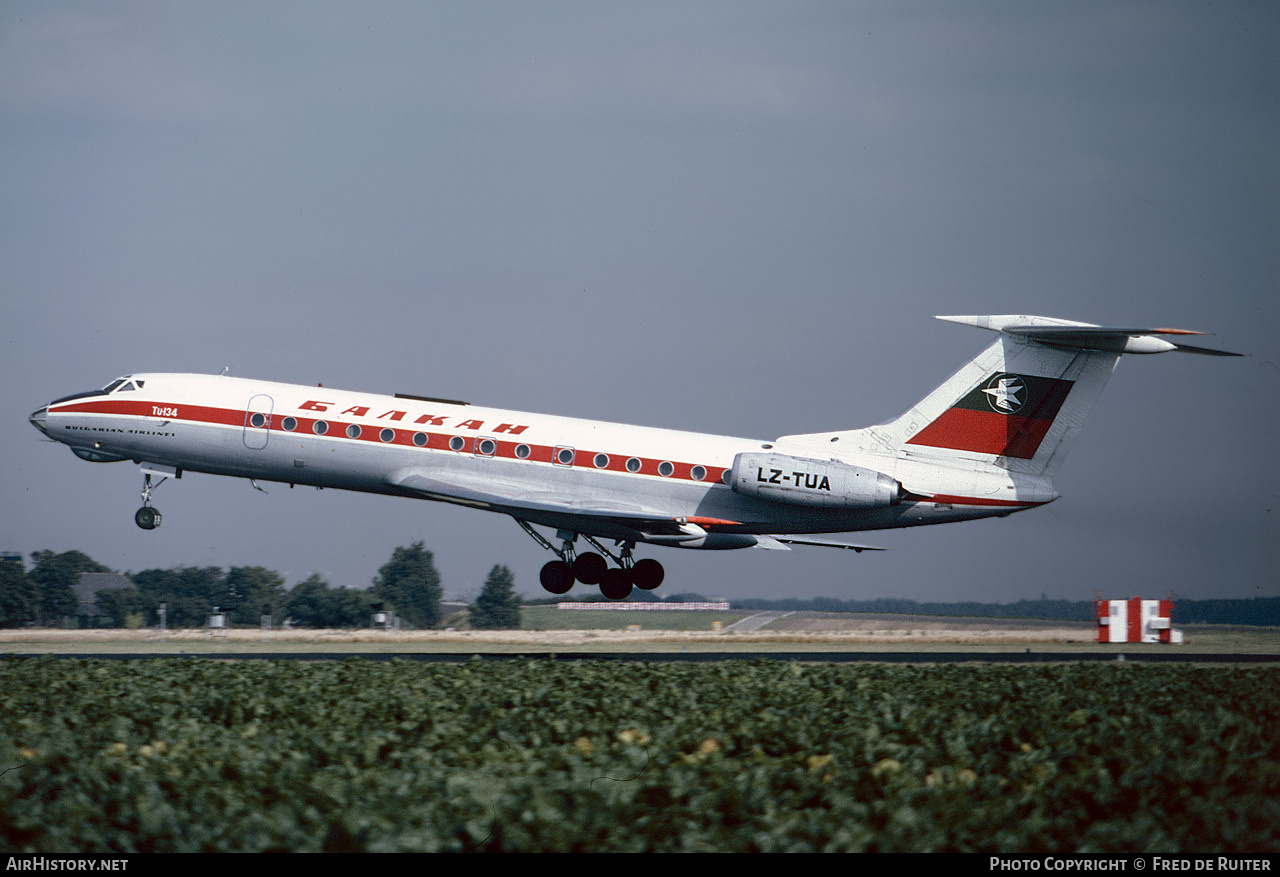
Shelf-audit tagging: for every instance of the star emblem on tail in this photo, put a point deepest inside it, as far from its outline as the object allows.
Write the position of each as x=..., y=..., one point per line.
x=1006, y=393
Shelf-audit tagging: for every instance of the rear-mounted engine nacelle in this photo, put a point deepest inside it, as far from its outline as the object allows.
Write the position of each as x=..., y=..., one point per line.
x=814, y=483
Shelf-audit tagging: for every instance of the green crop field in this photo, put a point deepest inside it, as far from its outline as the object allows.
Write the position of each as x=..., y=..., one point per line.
x=539, y=755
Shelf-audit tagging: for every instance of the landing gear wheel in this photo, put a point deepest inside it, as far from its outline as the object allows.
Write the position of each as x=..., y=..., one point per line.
x=556, y=577
x=589, y=568
x=147, y=518
x=647, y=574
x=616, y=584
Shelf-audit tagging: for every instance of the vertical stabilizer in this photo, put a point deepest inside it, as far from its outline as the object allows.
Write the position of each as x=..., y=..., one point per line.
x=1020, y=403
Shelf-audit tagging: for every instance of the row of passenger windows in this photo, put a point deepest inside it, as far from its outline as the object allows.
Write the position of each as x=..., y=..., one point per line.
x=486, y=447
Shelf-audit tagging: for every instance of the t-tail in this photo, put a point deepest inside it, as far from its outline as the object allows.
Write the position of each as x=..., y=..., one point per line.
x=1022, y=402
x=1018, y=405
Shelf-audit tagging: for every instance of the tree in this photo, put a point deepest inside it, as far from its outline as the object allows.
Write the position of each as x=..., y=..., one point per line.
x=350, y=607
x=312, y=603
x=56, y=576
x=307, y=602
x=189, y=592
x=498, y=606
x=252, y=592
x=410, y=583
x=121, y=604
x=19, y=596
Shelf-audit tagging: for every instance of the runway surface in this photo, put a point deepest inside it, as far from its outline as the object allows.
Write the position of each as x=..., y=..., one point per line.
x=1027, y=657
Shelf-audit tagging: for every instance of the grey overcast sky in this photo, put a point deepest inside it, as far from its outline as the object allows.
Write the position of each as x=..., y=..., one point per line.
x=729, y=217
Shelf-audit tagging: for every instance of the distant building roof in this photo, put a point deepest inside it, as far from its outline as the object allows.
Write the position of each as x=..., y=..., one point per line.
x=91, y=583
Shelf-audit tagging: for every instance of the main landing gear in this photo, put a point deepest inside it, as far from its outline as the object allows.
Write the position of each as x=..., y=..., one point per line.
x=558, y=576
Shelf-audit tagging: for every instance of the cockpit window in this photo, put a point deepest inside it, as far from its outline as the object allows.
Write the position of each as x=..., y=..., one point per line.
x=114, y=385
x=123, y=384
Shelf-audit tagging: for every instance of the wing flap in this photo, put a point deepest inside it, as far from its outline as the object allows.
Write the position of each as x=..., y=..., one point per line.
x=819, y=543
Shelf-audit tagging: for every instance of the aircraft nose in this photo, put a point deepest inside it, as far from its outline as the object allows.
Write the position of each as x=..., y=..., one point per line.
x=38, y=419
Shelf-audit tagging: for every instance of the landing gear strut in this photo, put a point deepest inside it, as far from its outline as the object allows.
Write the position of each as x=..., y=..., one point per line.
x=590, y=568
x=147, y=517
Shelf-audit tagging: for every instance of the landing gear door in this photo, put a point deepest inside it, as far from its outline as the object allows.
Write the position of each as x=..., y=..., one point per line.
x=257, y=422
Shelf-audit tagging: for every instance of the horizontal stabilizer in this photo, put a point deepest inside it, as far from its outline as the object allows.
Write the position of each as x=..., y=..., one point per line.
x=1086, y=336
x=1205, y=351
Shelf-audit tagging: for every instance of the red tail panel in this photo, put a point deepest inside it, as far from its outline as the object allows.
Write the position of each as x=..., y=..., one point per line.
x=985, y=433
x=1007, y=415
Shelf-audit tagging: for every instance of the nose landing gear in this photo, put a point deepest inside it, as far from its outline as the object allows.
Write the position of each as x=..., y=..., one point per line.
x=147, y=517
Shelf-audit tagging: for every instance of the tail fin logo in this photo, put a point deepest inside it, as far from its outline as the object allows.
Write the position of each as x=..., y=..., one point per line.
x=1006, y=415
x=1006, y=394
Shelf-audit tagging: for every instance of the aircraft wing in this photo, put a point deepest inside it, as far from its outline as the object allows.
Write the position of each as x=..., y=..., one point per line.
x=593, y=516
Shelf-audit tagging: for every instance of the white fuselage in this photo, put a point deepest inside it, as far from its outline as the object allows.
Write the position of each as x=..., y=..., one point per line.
x=554, y=471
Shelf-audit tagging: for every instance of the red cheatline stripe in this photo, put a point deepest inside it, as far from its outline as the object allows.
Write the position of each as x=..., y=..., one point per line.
x=194, y=413
x=980, y=500
x=505, y=448
x=984, y=432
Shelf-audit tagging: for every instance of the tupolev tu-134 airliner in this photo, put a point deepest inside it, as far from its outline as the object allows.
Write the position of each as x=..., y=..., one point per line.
x=987, y=442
